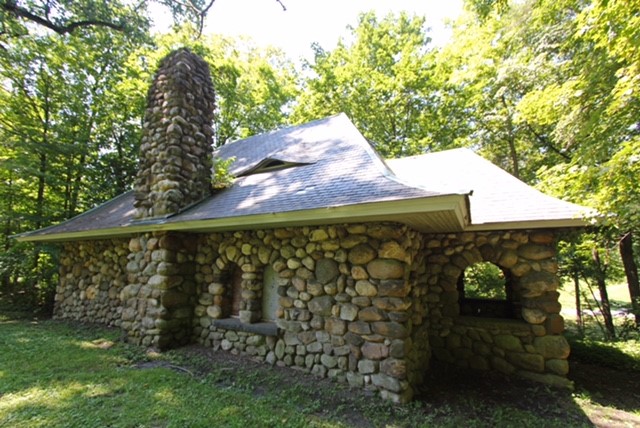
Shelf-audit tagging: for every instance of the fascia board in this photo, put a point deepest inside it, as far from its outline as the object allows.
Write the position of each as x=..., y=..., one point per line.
x=389, y=210
x=530, y=224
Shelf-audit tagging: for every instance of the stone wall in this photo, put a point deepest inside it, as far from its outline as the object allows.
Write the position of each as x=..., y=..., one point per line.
x=344, y=298
x=92, y=276
x=366, y=304
x=531, y=345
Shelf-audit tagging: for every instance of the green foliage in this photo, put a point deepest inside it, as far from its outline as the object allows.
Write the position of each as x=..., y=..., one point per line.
x=545, y=89
x=484, y=8
x=29, y=276
x=575, y=255
x=594, y=113
x=18, y=19
x=62, y=107
x=484, y=281
x=70, y=109
x=549, y=90
x=382, y=77
x=221, y=176
x=495, y=63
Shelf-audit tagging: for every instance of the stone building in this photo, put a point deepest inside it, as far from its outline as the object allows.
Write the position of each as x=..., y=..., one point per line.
x=320, y=254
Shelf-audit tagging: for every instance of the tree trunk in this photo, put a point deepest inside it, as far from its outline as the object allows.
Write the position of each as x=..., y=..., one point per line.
x=77, y=184
x=576, y=287
x=511, y=140
x=631, y=271
x=119, y=170
x=42, y=181
x=5, y=280
x=604, y=296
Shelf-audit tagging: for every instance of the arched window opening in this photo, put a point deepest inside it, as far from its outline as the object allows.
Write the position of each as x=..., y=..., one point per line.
x=486, y=290
x=232, y=279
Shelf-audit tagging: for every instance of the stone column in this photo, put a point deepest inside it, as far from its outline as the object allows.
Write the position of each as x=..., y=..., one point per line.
x=159, y=299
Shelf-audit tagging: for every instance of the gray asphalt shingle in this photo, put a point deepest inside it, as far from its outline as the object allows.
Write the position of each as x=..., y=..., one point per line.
x=497, y=196
x=340, y=168
x=336, y=167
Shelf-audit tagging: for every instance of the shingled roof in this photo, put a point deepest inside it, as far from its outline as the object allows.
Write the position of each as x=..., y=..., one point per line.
x=319, y=173
x=326, y=172
x=497, y=199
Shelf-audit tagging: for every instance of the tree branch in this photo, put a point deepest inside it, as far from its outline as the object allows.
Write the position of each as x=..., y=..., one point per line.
x=545, y=142
x=12, y=7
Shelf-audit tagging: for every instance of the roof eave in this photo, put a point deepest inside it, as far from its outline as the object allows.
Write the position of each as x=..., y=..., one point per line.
x=530, y=224
x=446, y=213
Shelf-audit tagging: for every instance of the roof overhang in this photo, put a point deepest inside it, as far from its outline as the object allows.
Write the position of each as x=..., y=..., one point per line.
x=568, y=223
x=447, y=213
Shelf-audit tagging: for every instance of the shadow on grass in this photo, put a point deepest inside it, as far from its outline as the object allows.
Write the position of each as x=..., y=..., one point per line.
x=605, y=374
x=10, y=310
x=498, y=399
x=63, y=374
x=450, y=396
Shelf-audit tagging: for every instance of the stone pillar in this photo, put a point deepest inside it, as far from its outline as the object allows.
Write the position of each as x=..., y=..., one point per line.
x=175, y=151
x=159, y=300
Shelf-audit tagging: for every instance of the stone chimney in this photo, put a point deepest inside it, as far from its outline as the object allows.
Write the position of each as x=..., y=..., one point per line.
x=176, y=148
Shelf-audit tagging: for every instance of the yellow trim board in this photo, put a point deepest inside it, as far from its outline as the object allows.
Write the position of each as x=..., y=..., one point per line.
x=394, y=210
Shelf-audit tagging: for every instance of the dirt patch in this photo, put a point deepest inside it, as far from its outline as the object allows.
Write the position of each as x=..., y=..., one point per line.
x=612, y=401
x=603, y=396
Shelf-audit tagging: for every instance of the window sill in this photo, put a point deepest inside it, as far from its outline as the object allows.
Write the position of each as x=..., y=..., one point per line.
x=494, y=323
x=264, y=328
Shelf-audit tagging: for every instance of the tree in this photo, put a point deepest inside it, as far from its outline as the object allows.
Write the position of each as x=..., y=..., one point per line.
x=68, y=16
x=382, y=77
x=595, y=113
x=549, y=89
x=70, y=109
x=496, y=62
x=59, y=98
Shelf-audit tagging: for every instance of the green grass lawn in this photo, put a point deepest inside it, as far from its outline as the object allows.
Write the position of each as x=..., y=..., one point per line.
x=57, y=374
x=618, y=295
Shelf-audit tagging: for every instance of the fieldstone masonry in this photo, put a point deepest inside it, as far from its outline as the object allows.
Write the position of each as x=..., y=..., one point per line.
x=158, y=300
x=344, y=299
x=92, y=276
x=175, y=151
x=368, y=304
x=530, y=345
x=174, y=173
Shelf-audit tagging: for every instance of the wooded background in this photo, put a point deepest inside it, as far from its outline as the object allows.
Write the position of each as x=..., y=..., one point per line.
x=548, y=90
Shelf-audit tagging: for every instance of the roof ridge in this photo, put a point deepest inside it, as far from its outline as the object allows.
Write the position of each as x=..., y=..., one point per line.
x=285, y=129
